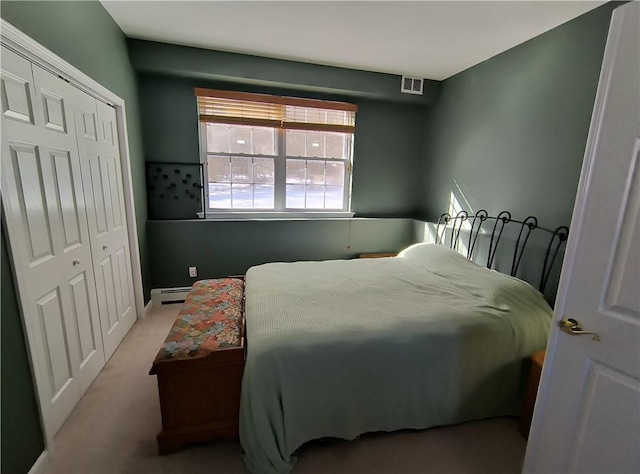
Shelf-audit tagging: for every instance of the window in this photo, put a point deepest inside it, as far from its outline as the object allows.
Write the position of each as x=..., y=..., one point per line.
x=268, y=154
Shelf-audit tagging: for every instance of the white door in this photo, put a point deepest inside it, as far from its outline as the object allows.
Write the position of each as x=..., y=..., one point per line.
x=47, y=226
x=102, y=178
x=587, y=415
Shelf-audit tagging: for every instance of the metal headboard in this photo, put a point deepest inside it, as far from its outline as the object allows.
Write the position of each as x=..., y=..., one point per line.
x=558, y=238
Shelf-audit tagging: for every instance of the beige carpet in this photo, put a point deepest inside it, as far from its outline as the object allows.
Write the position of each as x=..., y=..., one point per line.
x=113, y=429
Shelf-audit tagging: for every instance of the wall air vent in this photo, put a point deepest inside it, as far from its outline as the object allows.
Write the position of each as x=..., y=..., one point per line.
x=411, y=85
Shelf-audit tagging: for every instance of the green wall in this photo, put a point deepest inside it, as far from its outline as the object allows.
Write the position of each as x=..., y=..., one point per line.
x=387, y=150
x=386, y=159
x=386, y=183
x=256, y=71
x=22, y=440
x=84, y=34
x=510, y=133
x=229, y=248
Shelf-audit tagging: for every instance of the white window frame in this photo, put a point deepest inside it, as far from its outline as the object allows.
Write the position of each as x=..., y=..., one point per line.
x=280, y=210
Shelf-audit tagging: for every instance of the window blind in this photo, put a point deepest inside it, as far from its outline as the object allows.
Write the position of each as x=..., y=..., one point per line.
x=241, y=108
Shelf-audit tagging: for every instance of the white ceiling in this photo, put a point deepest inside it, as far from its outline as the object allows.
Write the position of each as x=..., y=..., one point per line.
x=429, y=39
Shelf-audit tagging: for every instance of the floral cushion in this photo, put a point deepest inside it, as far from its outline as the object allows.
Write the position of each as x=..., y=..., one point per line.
x=210, y=319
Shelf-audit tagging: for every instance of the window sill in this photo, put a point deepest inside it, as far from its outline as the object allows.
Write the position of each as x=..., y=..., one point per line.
x=270, y=216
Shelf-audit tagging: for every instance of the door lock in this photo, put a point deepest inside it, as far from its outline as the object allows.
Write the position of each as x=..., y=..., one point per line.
x=573, y=327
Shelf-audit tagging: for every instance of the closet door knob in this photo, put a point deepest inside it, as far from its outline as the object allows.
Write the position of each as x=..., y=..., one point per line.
x=76, y=261
x=105, y=247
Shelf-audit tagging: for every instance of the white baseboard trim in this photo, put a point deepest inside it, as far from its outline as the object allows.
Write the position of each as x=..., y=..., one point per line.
x=41, y=465
x=147, y=309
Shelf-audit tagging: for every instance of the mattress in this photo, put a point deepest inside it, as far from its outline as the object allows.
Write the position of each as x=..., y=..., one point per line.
x=345, y=347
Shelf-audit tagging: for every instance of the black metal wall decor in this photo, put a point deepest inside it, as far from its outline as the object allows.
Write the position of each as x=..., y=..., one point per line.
x=557, y=238
x=175, y=190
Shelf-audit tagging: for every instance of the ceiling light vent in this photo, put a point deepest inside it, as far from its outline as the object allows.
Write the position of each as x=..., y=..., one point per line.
x=411, y=85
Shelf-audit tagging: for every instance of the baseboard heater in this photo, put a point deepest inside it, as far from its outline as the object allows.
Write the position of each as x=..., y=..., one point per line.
x=160, y=296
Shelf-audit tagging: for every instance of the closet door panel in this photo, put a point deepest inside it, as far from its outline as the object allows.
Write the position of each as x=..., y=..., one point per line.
x=85, y=332
x=124, y=269
x=58, y=358
x=98, y=202
x=67, y=209
x=108, y=286
x=67, y=200
x=53, y=109
x=51, y=318
x=118, y=236
x=92, y=174
x=113, y=187
x=16, y=91
x=32, y=235
x=102, y=179
x=30, y=199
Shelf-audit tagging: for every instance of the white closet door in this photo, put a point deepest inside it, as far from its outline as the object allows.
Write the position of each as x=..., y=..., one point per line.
x=118, y=234
x=48, y=233
x=101, y=175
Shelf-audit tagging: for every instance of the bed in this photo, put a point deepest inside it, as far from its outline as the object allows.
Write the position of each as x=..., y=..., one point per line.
x=346, y=347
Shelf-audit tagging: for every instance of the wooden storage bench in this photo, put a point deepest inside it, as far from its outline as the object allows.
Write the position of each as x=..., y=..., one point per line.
x=200, y=365
x=530, y=395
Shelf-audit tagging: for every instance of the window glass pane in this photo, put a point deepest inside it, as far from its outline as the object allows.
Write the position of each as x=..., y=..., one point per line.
x=318, y=144
x=315, y=197
x=240, y=139
x=324, y=184
x=263, y=141
x=315, y=144
x=335, y=173
x=219, y=196
x=242, y=196
x=223, y=138
x=243, y=193
x=263, y=196
x=263, y=170
x=217, y=138
x=336, y=145
x=334, y=197
x=296, y=171
x=295, y=196
x=315, y=172
x=295, y=143
x=219, y=169
x=241, y=170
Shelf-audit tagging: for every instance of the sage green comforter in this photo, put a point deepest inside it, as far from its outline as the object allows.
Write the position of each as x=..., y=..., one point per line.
x=342, y=348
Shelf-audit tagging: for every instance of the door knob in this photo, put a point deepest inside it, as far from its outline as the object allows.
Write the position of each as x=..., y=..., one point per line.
x=105, y=247
x=76, y=261
x=573, y=327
